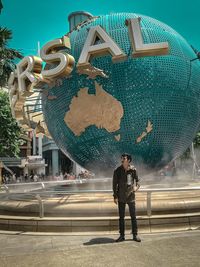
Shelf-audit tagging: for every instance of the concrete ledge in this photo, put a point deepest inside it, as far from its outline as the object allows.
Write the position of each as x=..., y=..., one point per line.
x=146, y=224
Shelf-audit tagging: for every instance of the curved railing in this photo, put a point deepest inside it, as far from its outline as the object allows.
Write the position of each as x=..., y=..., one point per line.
x=39, y=195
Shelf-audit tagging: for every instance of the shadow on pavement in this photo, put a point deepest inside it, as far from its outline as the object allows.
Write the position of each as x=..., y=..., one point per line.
x=99, y=240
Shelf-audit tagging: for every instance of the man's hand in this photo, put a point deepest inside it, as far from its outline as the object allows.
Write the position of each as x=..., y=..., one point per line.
x=115, y=200
x=136, y=187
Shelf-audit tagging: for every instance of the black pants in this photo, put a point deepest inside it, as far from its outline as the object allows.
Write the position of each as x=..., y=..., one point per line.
x=121, y=207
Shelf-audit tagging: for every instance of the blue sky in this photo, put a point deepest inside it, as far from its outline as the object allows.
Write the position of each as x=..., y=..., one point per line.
x=44, y=20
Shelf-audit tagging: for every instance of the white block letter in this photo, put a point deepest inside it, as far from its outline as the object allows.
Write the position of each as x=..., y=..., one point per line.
x=108, y=46
x=136, y=38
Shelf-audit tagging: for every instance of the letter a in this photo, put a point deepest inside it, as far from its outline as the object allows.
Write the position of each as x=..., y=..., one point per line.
x=108, y=46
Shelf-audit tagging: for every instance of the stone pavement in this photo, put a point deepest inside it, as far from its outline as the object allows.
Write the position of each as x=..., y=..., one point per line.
x=22, y=249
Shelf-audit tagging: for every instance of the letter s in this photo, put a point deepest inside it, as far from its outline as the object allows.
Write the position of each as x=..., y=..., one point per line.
x=50, y=55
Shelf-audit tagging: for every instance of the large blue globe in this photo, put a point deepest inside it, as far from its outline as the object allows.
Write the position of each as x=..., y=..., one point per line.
x=161, y=90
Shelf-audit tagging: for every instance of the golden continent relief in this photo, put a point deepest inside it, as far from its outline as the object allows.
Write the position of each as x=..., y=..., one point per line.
x=100, y=109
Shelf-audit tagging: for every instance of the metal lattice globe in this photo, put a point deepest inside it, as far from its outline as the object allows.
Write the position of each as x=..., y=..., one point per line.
x=162, y=91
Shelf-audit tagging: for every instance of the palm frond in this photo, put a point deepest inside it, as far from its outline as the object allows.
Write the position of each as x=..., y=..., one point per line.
x=8, y=56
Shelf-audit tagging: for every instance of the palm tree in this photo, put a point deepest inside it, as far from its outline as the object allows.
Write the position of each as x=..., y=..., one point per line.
x=7, y=56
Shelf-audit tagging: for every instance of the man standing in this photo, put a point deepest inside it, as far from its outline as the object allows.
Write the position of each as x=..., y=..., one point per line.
x=124, y=192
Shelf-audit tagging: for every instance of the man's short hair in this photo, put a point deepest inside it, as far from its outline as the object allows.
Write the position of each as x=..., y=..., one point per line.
x=125, y=155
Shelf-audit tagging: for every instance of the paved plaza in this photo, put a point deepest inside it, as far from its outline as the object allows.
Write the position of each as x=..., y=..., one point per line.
x=170, y=249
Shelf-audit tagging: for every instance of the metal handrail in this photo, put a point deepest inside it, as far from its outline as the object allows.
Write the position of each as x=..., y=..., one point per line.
x=38, y=194
x=105, y=190
x=76, y=181
x=41, y=205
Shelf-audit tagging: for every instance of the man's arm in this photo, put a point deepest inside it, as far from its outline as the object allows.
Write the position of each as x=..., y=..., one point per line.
x=137, y=179
x=115, y=184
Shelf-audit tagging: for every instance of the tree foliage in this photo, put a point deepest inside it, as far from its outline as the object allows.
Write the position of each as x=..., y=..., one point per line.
x=9, y=129
x=7, y=56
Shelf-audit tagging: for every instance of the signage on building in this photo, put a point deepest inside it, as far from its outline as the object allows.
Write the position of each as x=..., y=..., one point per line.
x=30, y=69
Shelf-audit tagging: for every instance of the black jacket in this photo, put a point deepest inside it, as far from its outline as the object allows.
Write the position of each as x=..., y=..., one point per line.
x=121, y=190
